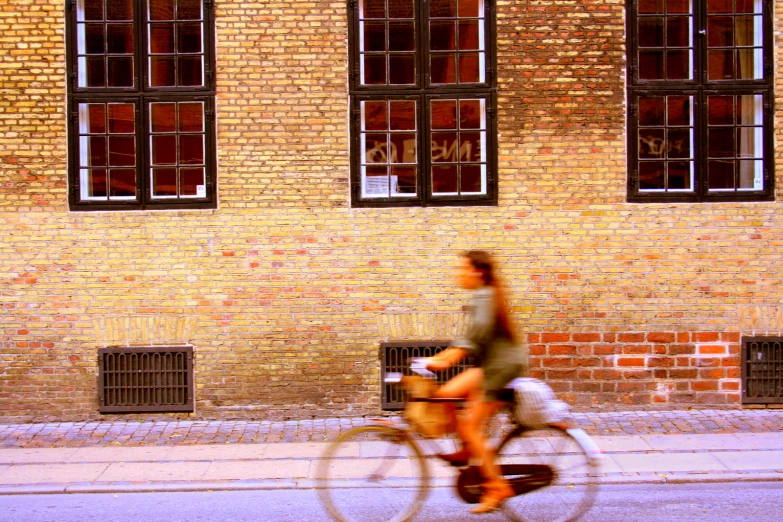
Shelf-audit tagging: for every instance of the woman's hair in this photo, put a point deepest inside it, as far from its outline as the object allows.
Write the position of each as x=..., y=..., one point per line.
x=482, y=262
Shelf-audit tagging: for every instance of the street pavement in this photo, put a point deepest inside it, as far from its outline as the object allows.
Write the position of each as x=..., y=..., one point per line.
x=697, y=445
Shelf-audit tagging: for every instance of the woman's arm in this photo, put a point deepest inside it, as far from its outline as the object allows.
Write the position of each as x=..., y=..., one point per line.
x=446, y=359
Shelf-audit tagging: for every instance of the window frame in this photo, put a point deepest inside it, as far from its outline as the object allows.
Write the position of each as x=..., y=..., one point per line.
x=422, y=92
x=700, y=87
x=141, y=95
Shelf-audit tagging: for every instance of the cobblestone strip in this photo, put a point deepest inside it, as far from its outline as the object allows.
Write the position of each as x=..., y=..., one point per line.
x=138, y=433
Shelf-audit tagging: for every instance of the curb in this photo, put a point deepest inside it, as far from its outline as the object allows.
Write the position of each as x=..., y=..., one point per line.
x=291, y=484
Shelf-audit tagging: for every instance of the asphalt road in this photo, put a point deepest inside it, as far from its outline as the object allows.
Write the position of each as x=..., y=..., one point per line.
x=629, y=503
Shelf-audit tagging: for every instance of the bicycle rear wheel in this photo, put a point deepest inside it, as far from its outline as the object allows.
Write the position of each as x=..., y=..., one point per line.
x=559, y=478
x=373, y=474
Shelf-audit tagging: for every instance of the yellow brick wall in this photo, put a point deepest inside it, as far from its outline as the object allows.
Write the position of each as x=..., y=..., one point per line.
x=287, y=282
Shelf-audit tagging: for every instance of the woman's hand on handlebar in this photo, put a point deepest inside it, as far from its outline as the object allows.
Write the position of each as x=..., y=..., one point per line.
x=437, y=365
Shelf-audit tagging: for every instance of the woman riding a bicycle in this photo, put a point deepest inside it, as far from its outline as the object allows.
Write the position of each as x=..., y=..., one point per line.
x=500, y=359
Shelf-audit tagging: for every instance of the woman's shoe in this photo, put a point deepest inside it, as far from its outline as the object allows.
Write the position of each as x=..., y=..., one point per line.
x=495, y=492
x=458, y=459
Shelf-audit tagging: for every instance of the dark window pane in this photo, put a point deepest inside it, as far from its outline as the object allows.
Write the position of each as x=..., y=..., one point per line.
x=162, y=38
x=679, y=110
x=469, y=68
x=721, y=142
x=96, y=123
x=96, y=183
x=189, y=9
x=443, y=8
x=746, y=30
x=96, y=71
x=120, y=71
x=651, y=65
x=470, y=178
x=403, y=115
x=161, y=9
x=374, y=69
x=375, y=117
x=679, y=174
x=443, y=36
x=375, y=148
x=122, y=182
x=747, y=6
x=721, y=65
x=650, y=6
x=679, y=144
x=374, y=36
x=444, y=114
x=400, y=8
x=94, y=41
x=720, y=174
x=122, y=151
x=119, y=38
x=191, y=117
x=442, y=68
x=402, y=70
x=651, y=175
x=403, y=148
x=651, y=31
x=444, y=179
x=470, y=146
x=651, y=111
x=678, y=66
x=720, y=110
x=191, y=149
x=189, y=40
x=122, y=118
x=470, y=114
x=406, y=179
x=651, y=143
x=720, y=31
x=96, y=151
x=93, y=10
x=469, y=35
x=372, y=8
x=191, y=179
x=401, y=36
x=162, y=117
x=164, y=182
x=445, y=147
x=720, y=6
x=679, y=6
x=119, y=10
x=678, y=31
x=468, y=8
x=190, y=73
x=162, y=71
x=164, y=150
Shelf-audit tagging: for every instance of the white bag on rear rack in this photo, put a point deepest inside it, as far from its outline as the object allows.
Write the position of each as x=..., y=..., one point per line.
x=535, y=403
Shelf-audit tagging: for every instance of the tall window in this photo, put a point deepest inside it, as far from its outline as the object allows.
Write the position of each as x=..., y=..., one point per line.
x=422, y=91
x=700, y=100
x=141, y=101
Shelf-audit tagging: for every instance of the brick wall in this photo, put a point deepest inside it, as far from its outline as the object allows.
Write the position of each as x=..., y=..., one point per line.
x=287, y=283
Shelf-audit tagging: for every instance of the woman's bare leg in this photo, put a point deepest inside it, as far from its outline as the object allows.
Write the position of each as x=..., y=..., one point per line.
x=463, y=386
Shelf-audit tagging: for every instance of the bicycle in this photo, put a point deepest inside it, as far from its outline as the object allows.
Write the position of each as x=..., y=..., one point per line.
x=554, y=472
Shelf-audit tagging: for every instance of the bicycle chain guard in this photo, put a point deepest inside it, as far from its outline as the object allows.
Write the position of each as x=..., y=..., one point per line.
x=523, y=478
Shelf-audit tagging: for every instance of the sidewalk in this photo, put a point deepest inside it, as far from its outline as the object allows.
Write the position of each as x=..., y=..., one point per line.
x=639, y=447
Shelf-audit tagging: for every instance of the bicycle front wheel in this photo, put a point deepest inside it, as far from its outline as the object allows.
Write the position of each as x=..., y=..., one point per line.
x=373, y=474
x=557, y=479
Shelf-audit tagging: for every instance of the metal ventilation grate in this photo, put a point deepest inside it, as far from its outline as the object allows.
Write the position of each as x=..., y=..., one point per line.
x=146, y=379
x=762, y=370
x=395, y=357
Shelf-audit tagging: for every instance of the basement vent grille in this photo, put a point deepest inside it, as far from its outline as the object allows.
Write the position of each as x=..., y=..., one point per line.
x=395, y=357
x=146, y=379
x=762, y=370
